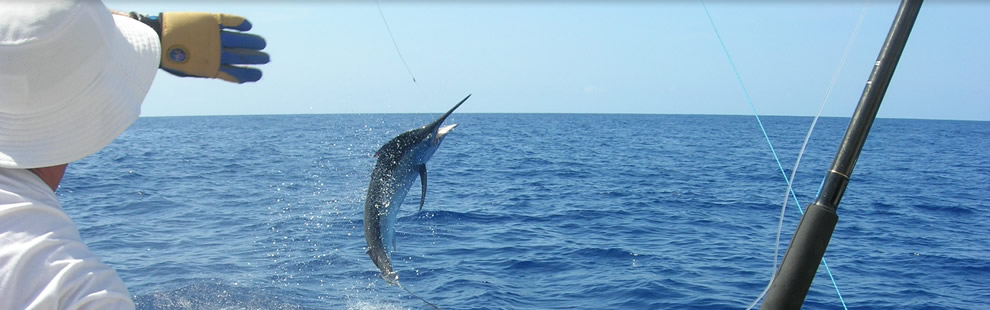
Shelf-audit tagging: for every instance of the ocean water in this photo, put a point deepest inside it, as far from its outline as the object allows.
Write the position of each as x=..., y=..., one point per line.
x=532, y=211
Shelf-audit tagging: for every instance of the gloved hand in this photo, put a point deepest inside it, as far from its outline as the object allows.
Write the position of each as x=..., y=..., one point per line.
x=196, y=44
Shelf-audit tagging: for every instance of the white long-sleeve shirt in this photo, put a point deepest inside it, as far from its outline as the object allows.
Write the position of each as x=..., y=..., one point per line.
x=43, y=261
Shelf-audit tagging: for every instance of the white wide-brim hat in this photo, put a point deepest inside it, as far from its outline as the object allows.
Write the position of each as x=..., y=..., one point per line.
x=72, y=78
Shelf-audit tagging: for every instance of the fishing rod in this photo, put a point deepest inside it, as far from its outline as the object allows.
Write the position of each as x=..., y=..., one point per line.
x=790, y=286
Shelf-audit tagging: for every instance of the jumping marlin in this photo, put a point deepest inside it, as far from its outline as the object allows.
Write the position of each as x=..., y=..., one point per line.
x=400, y=161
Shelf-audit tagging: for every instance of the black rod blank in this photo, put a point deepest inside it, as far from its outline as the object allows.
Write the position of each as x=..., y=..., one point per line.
x=790, y=287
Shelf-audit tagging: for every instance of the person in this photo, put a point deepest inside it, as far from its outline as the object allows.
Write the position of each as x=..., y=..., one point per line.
x=73, y=75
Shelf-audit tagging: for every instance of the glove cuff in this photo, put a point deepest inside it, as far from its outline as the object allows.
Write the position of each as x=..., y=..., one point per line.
x=153, y=21
x=191, y=43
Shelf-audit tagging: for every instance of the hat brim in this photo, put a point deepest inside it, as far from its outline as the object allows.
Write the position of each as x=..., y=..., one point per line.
x=97, y=112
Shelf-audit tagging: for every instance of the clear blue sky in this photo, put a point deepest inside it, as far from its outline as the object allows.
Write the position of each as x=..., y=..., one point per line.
x=657, y=57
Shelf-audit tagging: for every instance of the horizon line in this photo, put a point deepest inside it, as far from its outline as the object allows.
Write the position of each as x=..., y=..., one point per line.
x=546, y=113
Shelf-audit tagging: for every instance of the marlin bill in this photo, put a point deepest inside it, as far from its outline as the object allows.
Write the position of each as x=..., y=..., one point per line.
x=400, y=161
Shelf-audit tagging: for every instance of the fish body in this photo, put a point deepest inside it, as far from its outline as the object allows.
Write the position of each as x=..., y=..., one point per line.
x=399, y=163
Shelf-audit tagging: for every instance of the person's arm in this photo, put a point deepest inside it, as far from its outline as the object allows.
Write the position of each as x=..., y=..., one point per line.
x=198, y=44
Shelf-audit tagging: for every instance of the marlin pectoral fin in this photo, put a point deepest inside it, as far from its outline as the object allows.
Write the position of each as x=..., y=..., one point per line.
x=422, y=179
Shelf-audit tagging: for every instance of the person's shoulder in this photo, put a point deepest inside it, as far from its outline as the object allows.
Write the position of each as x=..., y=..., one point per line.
x=20, y=186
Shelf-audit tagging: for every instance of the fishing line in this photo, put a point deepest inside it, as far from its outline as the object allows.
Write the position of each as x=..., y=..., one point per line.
x=399, y=52
x=389, y=29
x=776, y=250
x=413, y=76
x=789, y=180
x=417, y=296
x=814, y=121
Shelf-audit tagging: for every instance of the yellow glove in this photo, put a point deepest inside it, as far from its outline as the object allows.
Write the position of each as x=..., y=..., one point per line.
x=196, y=44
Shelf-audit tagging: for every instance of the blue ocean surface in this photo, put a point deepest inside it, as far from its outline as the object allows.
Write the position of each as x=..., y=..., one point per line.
x=532, y=211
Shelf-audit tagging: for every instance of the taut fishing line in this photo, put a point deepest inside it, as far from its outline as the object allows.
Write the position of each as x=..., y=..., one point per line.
x=417, y=296
x=413, y=76
x=399, y=52
x=790, y=180
x=390, y=36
